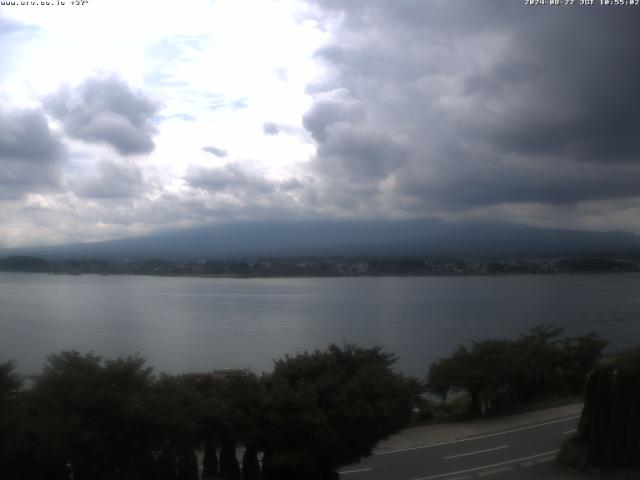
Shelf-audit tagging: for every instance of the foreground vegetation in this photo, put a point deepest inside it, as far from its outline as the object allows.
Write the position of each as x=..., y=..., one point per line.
x=501, y=374
x=84, y=417
x=609, y=432
x=114, y=419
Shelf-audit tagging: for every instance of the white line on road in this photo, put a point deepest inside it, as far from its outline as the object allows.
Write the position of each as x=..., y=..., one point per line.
x=569, y=432
x=398, y=450
x=545, y=460
x=356, y=471
x=516, y=460
x=493, y=472
x=476, y=452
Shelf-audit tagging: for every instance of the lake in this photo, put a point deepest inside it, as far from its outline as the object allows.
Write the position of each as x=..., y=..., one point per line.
x=199, y=324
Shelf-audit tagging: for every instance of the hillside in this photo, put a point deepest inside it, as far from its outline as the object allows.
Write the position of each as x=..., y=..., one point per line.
x=331, y=238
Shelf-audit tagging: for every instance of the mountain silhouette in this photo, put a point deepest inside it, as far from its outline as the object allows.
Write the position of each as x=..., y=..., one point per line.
x=334, y=238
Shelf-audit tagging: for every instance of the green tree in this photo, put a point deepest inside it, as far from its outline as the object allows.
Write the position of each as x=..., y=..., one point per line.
x=537, y=358
x=250, y=464
x=10, y=419
x=177, y=409
x=93, y=416
x=503, y=372
x=229, y=467
x=210, y=460
x=485, y=371
x=579, y=357
x=231, y=404
x=204, y=418
x=330, y=408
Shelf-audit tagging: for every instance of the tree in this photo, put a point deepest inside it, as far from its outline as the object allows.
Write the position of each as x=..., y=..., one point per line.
x=205, y=392
x=250, y=464
x=10, y=385
x=579, y=356
x=445, y=374
x=229, y=467
x=538, y=356
x=23, y=263
x=231, y=406
x=92, y=414
x=176, y=407
x=187, y=465
x=484, y=371
x=210, y=460
x=503, y=372
x=330, y=408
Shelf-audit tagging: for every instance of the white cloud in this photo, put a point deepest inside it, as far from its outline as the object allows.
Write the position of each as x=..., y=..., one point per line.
x=219, y=70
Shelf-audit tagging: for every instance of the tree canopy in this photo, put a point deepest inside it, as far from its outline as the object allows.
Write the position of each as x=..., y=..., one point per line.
x=330, y=408
x=92, y=415
x=503, y=372
x=96, y=418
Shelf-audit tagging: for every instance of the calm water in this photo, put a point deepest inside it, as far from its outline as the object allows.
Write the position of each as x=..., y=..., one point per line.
x=187, y=324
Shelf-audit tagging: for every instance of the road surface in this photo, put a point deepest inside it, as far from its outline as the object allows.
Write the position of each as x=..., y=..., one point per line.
x=500, y=453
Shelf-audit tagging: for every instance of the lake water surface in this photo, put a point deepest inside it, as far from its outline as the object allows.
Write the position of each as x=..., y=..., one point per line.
x=199, y=324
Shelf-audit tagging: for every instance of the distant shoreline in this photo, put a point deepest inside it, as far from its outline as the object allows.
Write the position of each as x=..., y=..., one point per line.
x=386, y=275
x=322, y=267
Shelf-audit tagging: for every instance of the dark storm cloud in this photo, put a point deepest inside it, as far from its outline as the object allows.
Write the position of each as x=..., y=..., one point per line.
x=107, y=110
x=270, y=128
x=571, y=90
x=218, y=152
x=112, y=180
x=30, y=153
x=480, y=103
x=359, y=154
x=489, y=181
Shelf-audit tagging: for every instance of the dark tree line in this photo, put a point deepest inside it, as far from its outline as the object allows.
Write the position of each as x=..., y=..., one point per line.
x=89, y=418
x=497, y=374
x=84, y=417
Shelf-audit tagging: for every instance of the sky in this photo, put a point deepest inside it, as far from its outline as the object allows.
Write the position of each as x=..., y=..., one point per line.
x=121, y=118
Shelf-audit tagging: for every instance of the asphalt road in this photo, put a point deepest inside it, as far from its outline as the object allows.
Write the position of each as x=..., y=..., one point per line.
x=493, y=454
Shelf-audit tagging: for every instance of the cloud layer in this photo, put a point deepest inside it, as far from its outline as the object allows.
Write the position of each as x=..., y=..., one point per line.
x=107, y=110
x=444, y=107
x=365, y=109
x=30, y=153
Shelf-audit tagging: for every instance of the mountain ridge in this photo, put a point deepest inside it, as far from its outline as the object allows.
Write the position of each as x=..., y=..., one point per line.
x=426, y=237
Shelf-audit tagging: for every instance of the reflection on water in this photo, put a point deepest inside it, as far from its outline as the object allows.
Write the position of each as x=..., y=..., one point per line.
x=184, y=324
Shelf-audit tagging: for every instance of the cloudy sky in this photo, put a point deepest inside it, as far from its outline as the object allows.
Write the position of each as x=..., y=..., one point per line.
x=122, y=117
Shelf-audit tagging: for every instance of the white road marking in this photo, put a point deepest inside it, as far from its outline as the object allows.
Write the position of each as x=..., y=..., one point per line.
x=545, y=460
x=493, y=472
x=515, y=460
x=476, y=452
x=398, y=450
x=569, y=432
x=356, y=471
